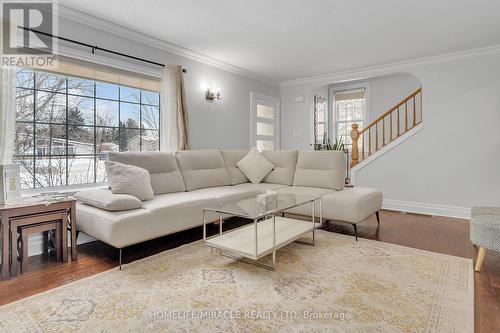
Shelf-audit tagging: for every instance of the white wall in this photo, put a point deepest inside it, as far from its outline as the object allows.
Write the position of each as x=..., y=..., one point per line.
x=220, y=124
x=455, y=159
x=388, y=90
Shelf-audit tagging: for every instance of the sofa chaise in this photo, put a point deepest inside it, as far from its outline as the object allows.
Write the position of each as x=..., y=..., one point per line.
x=185, y=182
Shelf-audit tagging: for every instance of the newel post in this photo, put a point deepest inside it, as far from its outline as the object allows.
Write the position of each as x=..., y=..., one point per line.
x=355, y=138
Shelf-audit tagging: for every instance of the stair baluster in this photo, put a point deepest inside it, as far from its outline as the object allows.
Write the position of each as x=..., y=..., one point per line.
x=357, y=134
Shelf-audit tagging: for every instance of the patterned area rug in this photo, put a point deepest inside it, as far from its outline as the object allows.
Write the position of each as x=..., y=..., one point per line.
x=339, y=285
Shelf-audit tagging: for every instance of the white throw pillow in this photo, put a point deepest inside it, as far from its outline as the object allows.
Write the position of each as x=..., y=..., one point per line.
x=105, y=199
x=129, y=179
x=255, y=166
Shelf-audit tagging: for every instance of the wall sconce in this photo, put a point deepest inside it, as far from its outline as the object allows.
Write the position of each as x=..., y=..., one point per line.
x=212, y=95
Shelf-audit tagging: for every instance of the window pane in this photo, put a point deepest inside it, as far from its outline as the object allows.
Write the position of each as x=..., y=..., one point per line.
x=264, y=111
x=106, y=113
x=130, y=115
x=100, y=170
x=341, y=112
x=321, y=129
x=150, y=117
x=25, y=78
x=265, y=145
x=106, y=90
x=24, y=104
x=26, y=171
x=150, y=97
x=150, y=140
x=320, y=116
x=81, y=170
x=83, y=87
x=107, y=140
x=128, y=94
x=50, y=82
x=50, y=171
x=265, y=129
x=50, y=107
x=23, y=143
x=80, y=110
x=80, y=140
x=130, y=140
x=50, y=139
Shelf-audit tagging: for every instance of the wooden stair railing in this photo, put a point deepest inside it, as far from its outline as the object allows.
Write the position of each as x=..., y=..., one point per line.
x=388, y=127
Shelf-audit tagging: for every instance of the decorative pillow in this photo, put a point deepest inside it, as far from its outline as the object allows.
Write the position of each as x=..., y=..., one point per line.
x=129, y=179
x=105, y=199
x=255, y=166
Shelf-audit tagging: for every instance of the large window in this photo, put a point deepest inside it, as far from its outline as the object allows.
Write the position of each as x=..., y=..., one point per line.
x=66, y=125
x=350, y=108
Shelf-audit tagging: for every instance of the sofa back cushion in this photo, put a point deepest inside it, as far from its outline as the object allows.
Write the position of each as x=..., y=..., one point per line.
x=231, y=157
x=324, y=169
x=202, y=168
x=162, y=167
x=284, y=162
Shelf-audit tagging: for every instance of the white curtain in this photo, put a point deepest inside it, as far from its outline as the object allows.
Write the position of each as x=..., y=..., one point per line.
x=174, y=122
x=7, y=110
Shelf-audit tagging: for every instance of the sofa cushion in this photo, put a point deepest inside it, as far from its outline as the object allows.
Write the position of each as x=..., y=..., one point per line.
x=352, y=204
x=231, y=157
x=284, y=166
x=255, y=166
x=202, y=168
x=304, y=190
x=163, y=215
x=129, y=179
x=324, y=169
x=162, y=167
x=227, y=194
x=105, y=199
x=261, y=187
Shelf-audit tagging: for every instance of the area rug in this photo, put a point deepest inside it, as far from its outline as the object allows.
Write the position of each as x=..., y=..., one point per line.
x=339, y=285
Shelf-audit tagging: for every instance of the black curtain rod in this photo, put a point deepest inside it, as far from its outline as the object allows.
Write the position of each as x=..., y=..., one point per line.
x=94, y=48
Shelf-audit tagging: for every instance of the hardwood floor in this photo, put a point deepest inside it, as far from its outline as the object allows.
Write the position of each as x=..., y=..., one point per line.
x=437, y=234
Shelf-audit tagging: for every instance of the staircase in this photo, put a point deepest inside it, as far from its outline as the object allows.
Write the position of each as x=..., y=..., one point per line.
x=386, y=129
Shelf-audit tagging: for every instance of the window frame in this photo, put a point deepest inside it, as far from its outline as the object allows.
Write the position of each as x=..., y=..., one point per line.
x=333, y=104
x=67, y=156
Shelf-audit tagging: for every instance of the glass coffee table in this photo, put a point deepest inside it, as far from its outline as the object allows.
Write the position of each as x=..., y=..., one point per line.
x=269, y=231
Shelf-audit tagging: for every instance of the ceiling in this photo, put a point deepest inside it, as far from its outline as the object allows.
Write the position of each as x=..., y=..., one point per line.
x=289, y=39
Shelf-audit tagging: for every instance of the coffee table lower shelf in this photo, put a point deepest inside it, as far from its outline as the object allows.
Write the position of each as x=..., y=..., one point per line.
x=242, y=241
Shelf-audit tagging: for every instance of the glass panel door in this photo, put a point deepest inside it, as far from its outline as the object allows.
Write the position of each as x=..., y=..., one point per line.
x=265, y=120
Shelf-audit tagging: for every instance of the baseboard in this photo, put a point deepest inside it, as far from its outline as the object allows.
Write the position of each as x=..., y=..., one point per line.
x=35, y=243
x=427, y=208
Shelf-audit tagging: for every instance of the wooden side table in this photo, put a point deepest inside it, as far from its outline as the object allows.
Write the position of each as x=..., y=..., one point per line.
x=30, y=208
x=22, y=243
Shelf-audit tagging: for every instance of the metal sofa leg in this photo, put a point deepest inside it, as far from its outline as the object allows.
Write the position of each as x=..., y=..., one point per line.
x=355, y=231
x=377, y=213
x=120, y=259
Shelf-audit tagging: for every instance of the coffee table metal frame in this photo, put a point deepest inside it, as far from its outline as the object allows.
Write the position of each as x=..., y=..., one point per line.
x=271, y=215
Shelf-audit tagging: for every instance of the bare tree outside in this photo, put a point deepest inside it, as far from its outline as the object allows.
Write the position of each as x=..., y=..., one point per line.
x=65, y=127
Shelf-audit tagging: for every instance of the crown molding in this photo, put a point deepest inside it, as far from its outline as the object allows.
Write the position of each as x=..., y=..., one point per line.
x=371, y=71
x=137, y=36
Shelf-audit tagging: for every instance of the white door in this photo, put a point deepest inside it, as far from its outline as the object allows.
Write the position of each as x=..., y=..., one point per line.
x=264, y=122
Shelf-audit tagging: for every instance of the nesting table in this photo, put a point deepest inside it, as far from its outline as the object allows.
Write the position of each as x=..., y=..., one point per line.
x=33, y=210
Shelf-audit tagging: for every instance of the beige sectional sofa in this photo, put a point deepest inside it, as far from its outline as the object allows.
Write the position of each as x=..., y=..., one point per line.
x=186, y=182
